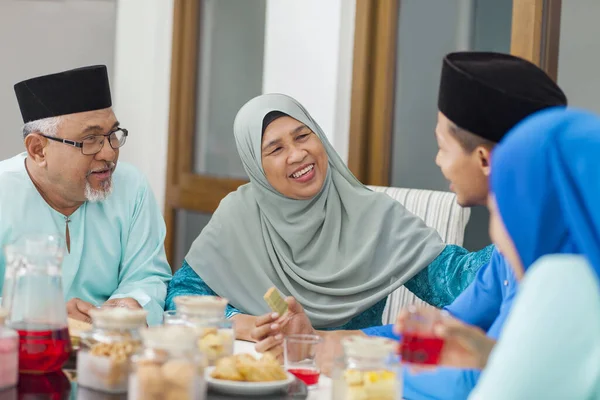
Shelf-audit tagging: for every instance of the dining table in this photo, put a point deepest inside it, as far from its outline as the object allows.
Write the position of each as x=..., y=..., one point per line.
x=62, y=385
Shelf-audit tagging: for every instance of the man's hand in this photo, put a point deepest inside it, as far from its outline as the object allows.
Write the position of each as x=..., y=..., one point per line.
x=465, y=346
x=270, y=329
x=126, y=302
x=79, y=310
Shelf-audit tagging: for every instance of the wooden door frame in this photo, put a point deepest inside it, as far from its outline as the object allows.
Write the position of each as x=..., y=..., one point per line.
x=373, y=79
x=535, y=33
x=373, y=84
x=184, y=188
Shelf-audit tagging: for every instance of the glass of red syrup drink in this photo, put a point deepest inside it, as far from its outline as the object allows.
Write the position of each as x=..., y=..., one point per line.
x=37, y=309
x=299, y=352
x=418, y=344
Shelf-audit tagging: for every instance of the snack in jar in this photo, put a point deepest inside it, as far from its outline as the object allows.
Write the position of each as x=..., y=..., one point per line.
x=105, y=350
x=207, y=315
x=169, y=367
x=368, y=370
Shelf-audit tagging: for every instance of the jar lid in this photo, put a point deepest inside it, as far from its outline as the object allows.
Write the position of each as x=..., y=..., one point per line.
x=170, y=337
x=3, y=315
x=118, y=317
x=368, y=347
x=209, y=306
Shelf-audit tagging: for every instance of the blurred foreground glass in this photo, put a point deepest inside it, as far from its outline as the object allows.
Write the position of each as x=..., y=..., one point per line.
x=368, y=370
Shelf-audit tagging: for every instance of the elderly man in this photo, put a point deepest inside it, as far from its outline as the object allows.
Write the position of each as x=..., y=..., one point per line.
x=67, y=182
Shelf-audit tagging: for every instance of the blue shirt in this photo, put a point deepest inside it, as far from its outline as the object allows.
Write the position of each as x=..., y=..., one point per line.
x=486, y=304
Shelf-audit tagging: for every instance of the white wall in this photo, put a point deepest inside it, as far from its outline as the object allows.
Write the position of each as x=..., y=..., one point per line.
x=308, y=54
x=42, y=37
x=142, y=80
x=579, y=54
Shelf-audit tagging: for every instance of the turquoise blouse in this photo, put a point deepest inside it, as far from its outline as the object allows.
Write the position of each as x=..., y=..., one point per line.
x=438, y=284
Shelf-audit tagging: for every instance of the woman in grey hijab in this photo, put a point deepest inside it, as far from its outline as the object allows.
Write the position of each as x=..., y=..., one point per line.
x=307, y=226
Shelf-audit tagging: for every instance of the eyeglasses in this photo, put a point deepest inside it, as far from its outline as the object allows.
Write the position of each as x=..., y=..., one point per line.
x=93, y=144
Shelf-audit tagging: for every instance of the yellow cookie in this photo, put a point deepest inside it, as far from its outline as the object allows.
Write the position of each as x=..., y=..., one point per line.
x=275, y=301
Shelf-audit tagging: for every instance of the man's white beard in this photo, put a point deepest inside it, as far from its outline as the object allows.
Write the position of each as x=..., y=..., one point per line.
x=95, y=195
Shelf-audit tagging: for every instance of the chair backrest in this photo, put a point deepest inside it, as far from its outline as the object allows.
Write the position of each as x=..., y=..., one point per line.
x=441, y=212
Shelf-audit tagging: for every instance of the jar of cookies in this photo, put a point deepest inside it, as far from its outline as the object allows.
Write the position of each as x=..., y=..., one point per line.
x=207, y=315
x=105, y=350
x=368, y=370
x=169, y=367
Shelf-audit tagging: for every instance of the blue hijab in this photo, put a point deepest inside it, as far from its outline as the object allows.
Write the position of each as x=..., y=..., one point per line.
x=546, y=179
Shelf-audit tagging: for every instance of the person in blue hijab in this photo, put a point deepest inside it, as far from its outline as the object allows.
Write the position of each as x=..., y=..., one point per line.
x=545, y=219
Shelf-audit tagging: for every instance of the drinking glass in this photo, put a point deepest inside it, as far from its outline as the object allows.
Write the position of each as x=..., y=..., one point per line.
x=419, y=345
x=299, y=352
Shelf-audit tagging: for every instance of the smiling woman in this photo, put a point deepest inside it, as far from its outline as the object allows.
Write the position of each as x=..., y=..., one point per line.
x=305, y=225
x=293, y=157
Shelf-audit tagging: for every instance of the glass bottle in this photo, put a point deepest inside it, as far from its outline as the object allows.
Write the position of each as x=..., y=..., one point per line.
x=36, y=303
x=105, y=350
x=369, y=370
x=169, y=367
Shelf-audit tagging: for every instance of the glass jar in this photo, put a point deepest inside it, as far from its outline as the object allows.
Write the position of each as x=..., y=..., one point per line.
x=169, y=367
x=9, y=354
x=200, y=307
x=369, y=370
x=103, y=359
x=207, y=315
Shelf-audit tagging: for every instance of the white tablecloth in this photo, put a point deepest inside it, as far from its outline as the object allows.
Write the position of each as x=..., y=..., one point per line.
x=323, y=392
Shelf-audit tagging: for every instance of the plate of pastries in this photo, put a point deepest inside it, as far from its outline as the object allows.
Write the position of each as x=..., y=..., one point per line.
x=245, y=374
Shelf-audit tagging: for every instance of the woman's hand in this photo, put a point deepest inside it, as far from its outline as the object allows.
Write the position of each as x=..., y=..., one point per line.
x=270, y=329
x=465, y=346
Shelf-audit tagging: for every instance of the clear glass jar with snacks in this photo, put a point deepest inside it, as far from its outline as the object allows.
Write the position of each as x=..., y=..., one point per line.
x=169, y=367
x=207, y=315
x=9, y=354
x=369, y=370
x=103, y=359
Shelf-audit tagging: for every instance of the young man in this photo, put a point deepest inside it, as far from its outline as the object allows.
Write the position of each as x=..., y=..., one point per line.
x=481, y=97
x=67, y=183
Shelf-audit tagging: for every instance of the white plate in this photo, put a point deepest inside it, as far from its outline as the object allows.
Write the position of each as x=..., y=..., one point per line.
x=247, y=388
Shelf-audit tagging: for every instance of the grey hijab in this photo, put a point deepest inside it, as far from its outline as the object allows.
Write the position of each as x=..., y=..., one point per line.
x=338, y=253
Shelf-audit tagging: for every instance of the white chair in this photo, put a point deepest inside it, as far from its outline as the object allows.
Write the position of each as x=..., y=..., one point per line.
x=440, y=211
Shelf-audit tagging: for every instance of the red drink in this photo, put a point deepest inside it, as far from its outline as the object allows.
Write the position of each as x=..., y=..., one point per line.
x=42, y=348
x=308, y=376
x=420, y=349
